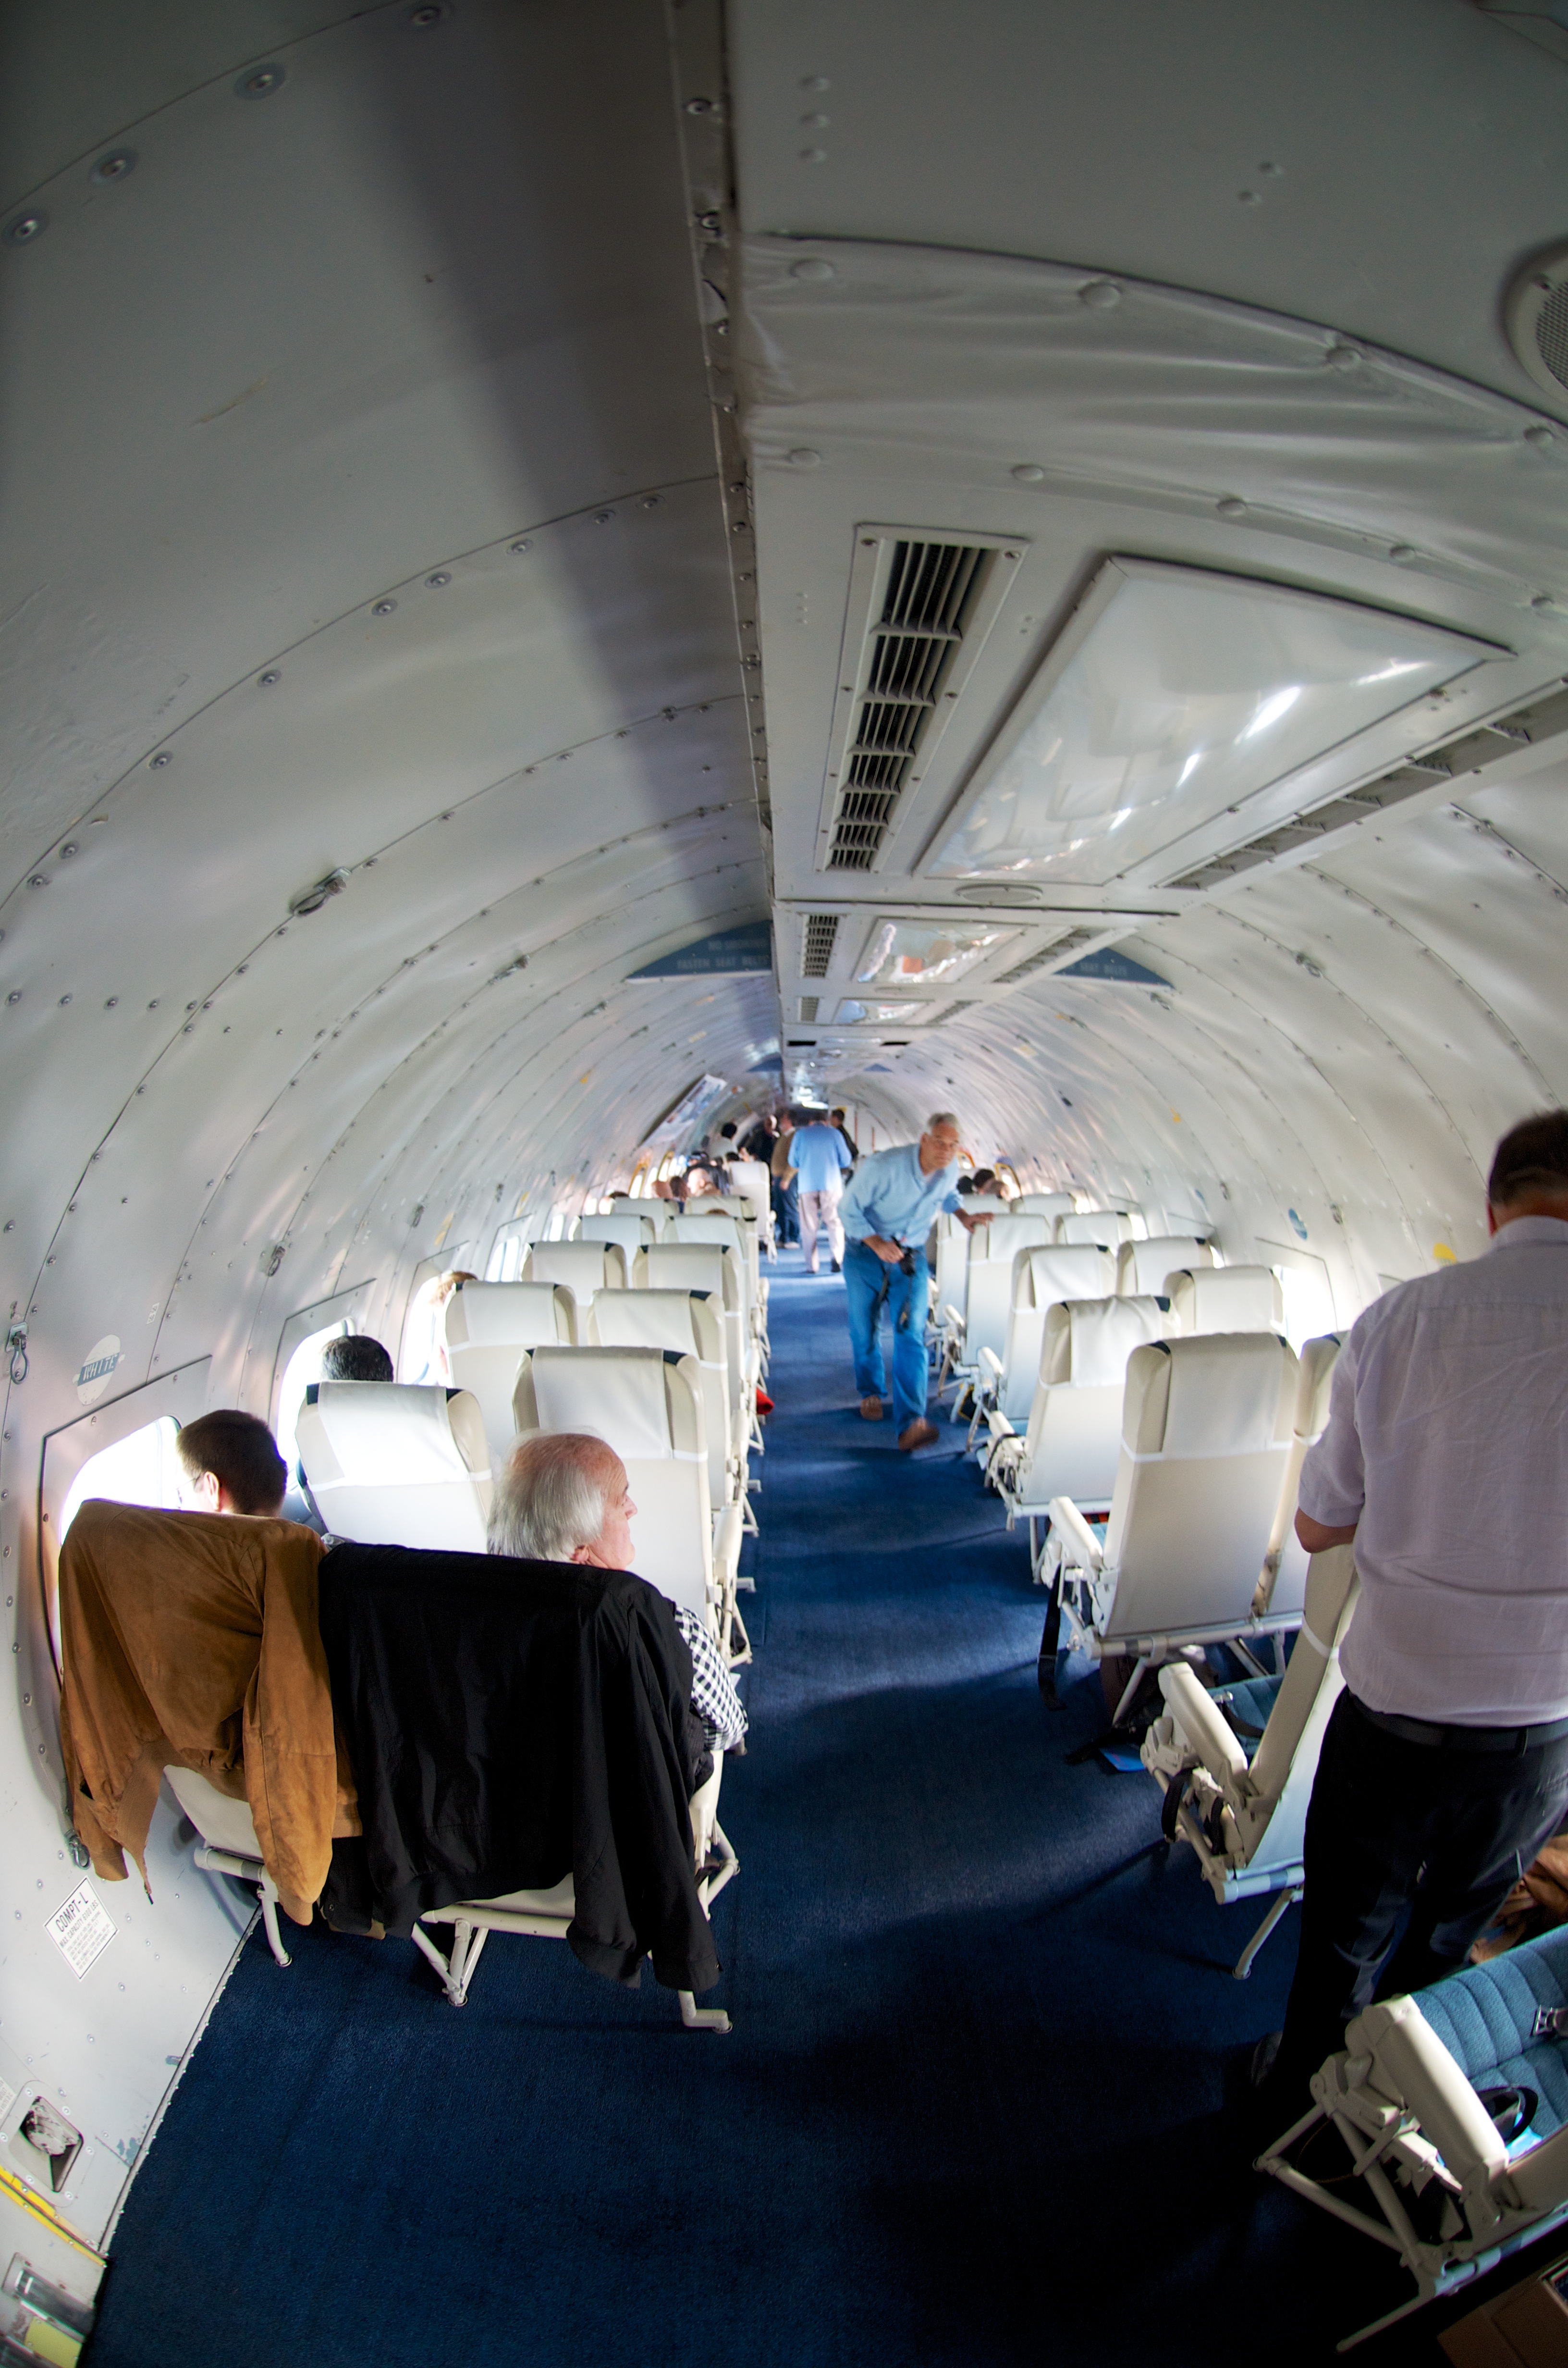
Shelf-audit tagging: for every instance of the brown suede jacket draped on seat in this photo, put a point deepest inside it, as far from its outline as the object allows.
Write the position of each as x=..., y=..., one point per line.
x=192, y=1640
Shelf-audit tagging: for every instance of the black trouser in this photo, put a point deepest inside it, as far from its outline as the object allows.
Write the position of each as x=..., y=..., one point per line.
x=1395, y=1826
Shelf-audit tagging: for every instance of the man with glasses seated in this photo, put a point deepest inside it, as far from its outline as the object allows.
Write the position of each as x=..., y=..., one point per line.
x=893, y=1202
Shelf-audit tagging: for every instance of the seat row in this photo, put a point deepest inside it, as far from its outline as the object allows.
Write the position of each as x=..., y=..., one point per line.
x=658, y=1347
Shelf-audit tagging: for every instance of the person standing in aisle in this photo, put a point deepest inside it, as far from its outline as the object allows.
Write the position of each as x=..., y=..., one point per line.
x=786, y=1196
x=819, y=1159
x=894, y=1201
x=1445, y=1763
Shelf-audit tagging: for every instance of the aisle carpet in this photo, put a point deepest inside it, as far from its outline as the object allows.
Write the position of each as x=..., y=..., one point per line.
x=973, y=2107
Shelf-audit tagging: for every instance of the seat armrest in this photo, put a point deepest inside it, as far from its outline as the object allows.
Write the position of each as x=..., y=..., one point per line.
x=728, y=1529
x=1198, y=1717
x=950, y=1316
x=998, y=1425
x=1080, y=1546
x=992, y=1362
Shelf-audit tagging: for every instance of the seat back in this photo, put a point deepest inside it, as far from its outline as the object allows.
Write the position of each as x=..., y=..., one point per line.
x=691, y=1323
x=1142, y=1267
x=222, y=1823
x=714, y=1266
x=1281, y=1588
x=1205, y=1439
x=1045, y=1204
x=1074, y=1440
x=1042, y=1275
x=753, y=1184
x=647, y=1405
x=951, y=1280
x=488, y=1326
x=627, y=1228
x=979, y=1204
x=582, y=1266
x=988, y=1302
x=1225, y=1298
x=712, y=1217
x=1108, y=1226
x=389, y=1465
x=1286, y=1760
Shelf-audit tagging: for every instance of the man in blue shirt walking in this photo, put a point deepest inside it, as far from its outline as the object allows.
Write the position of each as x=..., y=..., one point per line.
x=819, y=1157
x=891, y=1204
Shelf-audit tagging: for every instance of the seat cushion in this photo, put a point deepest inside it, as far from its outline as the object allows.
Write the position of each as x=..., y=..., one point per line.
x=1483, y=2017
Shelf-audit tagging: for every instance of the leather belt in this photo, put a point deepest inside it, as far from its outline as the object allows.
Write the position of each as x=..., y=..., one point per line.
x=1436, y=1737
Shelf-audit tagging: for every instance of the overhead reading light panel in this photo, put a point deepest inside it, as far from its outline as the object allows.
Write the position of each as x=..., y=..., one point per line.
x=853, y=1014
x=1172, y=697
x=920, y=953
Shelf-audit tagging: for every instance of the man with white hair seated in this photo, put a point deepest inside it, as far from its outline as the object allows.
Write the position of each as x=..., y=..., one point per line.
x=562, y=1497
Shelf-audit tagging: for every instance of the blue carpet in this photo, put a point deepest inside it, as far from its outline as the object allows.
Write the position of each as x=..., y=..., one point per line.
x=973, y=2109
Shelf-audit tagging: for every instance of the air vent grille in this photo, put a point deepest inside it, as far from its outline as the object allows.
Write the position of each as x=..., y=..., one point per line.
x=1552, y=335
x=822, y=928
x=1060, y=950
x=809, y=1007
x=931, y=592
x=953, y=1011
x=1471, y=753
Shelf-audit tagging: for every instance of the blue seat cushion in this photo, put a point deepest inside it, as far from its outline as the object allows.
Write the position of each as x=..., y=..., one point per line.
x=1483, y=2017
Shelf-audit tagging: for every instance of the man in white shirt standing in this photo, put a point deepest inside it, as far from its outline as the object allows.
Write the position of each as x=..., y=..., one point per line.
x=819, y=1157
x=1445, y=1763
x=891, y=1204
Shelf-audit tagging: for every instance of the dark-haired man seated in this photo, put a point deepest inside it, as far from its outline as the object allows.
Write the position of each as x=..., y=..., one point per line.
x=563, y=1497
x=230, y=1464
x=355, y=1357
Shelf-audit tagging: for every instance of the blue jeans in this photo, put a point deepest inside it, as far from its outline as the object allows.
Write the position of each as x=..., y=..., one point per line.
x=908, y=1298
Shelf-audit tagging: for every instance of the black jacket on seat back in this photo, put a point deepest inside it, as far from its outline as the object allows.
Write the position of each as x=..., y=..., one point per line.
x=511, y=1722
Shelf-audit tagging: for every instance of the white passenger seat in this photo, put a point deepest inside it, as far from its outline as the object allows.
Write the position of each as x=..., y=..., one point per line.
x=1073, y=1443
x=1041, y=1276
x=1108, y=1226
x=487, y=1326
x=631, y=1230
x=692, y=1324
x=714, y=1266
x=1244, y=1812
x=1142, y=1267
x=733, y=1221
x=390, y=1465
x=584, y=1267
x=647, y=1405
x=1225, y=1298
x=1206, y=1430
x=1281, y=1588
x=982, y=1324
x=754, y=1183
x=1045, y=1204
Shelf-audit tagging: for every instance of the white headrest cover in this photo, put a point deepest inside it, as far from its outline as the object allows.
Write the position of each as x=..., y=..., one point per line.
x=1228, y=1299
x=384, y=1435
x=999, y=1242
x=1146, y=1264
x=616, y=1394
x=581, y=1266
x=686, y=1265
x=1071, y=1270
x=1104, y=1334
x=647, y=1319
x=1231, y=1394
x=1093, y=1225
x=630, y=1230
x=1045, y=1204
x=502, y=1314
